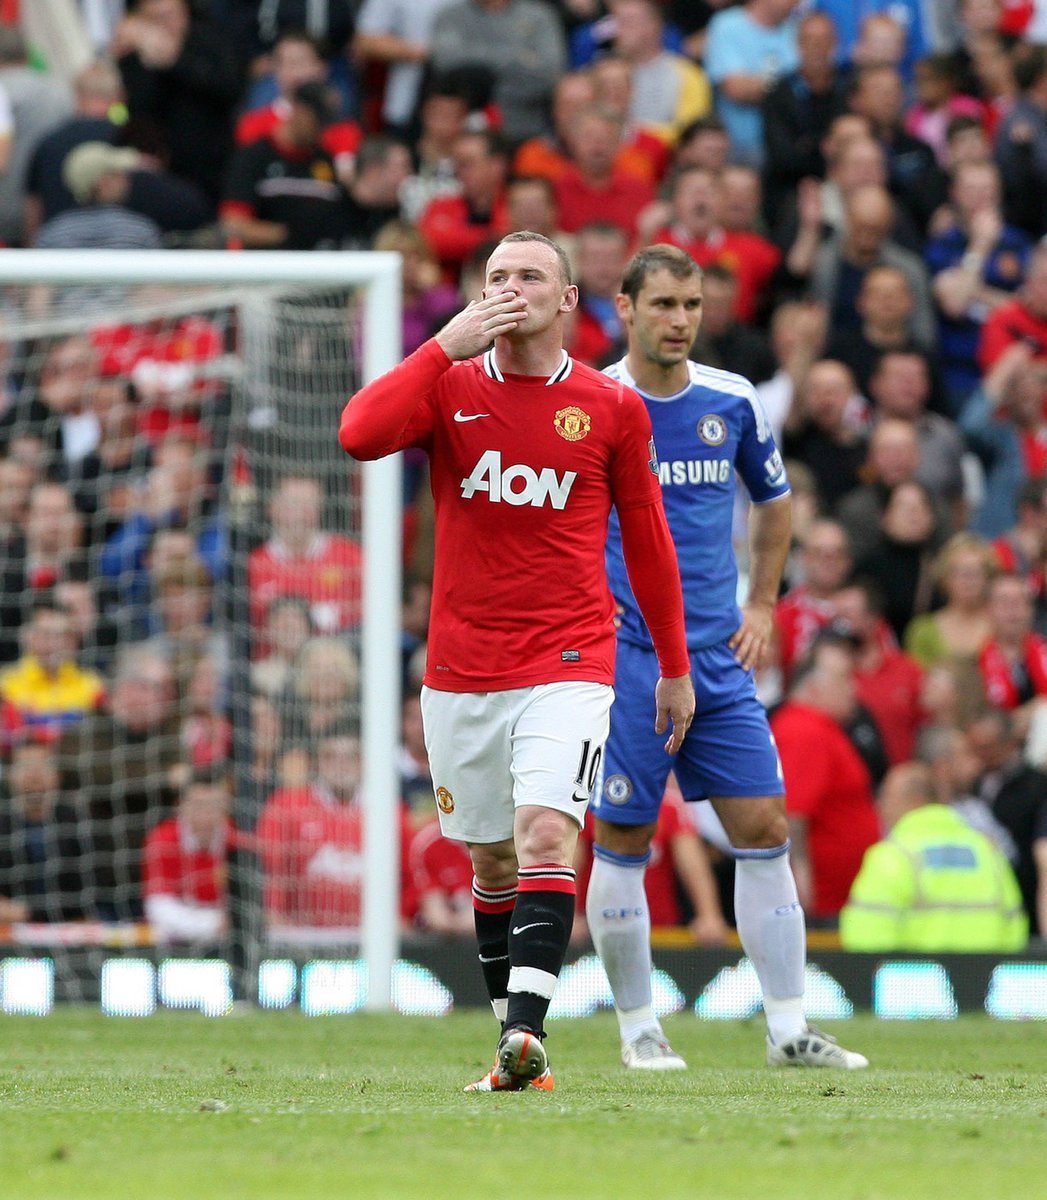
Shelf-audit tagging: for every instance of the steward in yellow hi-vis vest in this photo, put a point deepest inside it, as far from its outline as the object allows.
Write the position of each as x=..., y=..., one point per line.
x=933, y=885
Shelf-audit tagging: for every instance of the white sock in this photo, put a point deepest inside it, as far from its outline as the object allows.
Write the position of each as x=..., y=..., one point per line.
x=620, y=926
x=772, y=931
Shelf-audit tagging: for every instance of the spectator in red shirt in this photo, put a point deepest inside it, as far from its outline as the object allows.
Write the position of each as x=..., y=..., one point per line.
x=697, y=228
x=601, y=251
x=1023, y=319
x=592, y=188
x=888, y=682
x=456, y=225
x=829, y=797
x=311, y=842
x=297, y=58
x=185, y=863
x=825, y=562
x=299, y=559
x=439, y=881
x=1013, y=663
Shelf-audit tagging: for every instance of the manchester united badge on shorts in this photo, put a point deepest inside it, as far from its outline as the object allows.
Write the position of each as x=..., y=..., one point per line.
x=444, y=800
x=572, y=423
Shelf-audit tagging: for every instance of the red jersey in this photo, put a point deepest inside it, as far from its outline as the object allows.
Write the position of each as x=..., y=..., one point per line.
x=163, y=362
x=341, y=139
x=329, y=576
x=174, y=865
x=752, y=260
x=620, y=201
x=312, y=851
x=827, y=784
x=453, y=233
x=798, y=619
x=1004, y=326
x=891, y=693
x=436, y=864
x=524, y=471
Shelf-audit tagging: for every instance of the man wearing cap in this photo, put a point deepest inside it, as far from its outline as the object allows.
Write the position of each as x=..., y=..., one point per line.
x=282, y=192
x=98, y=175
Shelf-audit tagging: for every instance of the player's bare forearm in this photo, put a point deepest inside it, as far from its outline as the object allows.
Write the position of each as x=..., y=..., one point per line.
x=770, y=529
x=674, y=704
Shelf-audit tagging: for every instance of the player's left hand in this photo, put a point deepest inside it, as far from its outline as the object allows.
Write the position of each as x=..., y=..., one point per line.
x=751, y=639
x=674, y=700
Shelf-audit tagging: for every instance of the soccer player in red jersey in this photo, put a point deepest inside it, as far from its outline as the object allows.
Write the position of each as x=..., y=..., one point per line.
x=528, y=452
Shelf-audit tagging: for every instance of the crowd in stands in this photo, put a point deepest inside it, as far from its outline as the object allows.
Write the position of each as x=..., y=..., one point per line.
x=865, y=187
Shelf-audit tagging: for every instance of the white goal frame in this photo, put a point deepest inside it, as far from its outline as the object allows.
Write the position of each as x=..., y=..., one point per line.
x=377, y=274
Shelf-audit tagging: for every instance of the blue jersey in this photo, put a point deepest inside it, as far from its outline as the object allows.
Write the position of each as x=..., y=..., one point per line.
x=704, y=434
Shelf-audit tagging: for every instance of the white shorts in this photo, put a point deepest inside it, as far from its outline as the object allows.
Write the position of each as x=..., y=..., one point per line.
x=492, y=752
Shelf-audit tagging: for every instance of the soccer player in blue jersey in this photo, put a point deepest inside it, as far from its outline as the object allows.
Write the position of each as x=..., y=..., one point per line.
x=708, y=425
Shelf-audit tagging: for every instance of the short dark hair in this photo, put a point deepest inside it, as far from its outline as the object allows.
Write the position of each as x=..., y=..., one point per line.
x=303, y=37
x=528, y=235
x=538, y=181
x=659, y=257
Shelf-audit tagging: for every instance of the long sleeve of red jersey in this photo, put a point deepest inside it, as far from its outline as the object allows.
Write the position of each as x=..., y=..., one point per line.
x=375, y=420
x=654, y=575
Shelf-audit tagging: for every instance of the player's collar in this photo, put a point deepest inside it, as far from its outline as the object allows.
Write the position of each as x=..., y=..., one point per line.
x=566, y=366
x=626, y=377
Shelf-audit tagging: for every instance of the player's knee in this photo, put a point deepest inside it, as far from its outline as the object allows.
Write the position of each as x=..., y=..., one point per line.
x=494, y=864
x=634, y=840
x=544, y=835
x=754, y=823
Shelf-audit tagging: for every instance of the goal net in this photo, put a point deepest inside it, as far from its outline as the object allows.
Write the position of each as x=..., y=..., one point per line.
x=200, y=652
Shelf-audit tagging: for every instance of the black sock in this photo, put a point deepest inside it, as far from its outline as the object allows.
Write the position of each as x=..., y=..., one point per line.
x=492, y=916
x=538, y=940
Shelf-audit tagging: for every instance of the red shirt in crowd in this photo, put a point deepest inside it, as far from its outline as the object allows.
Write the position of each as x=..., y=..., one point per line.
x=454, y=232
x=798, y=619
x=891, y=692
x=163, y=362
x=341, y=139
x=828, y=785
x=524, y=472
x=618, y=202
x=436, y=864
x=752, y=260
x=174, y=864
x=1009, y=323
x=329, y=576
x=312, y=852
x=1009, y=684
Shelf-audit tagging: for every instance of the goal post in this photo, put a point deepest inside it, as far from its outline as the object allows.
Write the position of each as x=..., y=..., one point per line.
x=244, y=277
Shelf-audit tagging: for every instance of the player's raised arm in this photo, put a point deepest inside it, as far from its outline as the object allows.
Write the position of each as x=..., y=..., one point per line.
x=375, y=421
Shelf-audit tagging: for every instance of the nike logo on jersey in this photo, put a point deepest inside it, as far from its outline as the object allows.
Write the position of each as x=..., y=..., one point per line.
x=460, y=416
x=533, y=925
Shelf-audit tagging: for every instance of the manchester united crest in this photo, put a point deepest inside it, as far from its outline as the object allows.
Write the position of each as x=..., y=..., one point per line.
x=572, y=424
x=444, y=800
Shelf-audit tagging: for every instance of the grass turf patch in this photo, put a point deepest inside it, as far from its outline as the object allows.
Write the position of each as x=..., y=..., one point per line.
x=281, y=1105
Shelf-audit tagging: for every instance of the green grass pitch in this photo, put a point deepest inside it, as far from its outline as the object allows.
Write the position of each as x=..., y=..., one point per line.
x=280, y=1105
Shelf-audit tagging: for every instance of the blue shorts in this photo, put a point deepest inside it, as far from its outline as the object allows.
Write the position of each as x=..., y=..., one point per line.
x=728, y=750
